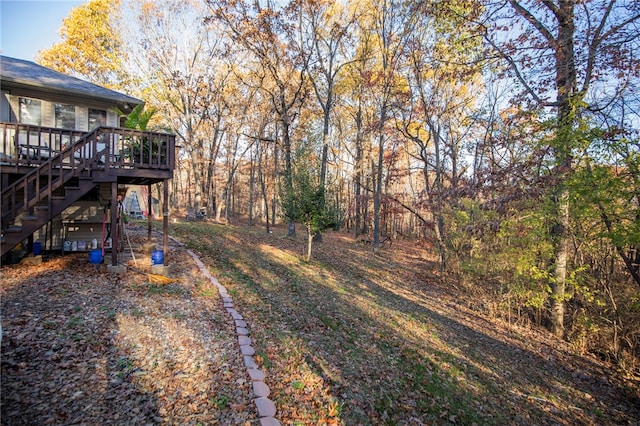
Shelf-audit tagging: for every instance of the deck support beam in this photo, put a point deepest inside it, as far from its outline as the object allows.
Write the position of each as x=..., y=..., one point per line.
x=165, y=218
x=115, y=243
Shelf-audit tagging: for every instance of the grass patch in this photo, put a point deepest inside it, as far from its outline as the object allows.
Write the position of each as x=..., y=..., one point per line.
x=220, y=401
x=353, y=338
x=261, y=357
x=74, y=321
x=207, y=291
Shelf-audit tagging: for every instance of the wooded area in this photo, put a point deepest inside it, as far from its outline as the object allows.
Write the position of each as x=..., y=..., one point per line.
x=501, y=134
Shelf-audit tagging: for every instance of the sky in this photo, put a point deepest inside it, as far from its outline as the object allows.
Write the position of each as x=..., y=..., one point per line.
x=28, y=26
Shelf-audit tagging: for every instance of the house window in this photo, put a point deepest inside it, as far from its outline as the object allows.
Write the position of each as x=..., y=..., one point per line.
x=30, y=111
x=65, y=116
x=97, y=118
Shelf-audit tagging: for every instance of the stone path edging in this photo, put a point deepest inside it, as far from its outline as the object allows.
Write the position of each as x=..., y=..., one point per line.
x=266, y=407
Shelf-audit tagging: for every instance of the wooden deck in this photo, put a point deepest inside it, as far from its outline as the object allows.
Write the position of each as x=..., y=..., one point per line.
x=130, y=156
x=45, y=170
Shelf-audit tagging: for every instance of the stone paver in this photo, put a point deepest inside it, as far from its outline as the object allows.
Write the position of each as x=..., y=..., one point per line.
x=260, y=389
x=266, y=408
x=249, y=362
x=234, y=314
x=247, y=350
x=256, y=374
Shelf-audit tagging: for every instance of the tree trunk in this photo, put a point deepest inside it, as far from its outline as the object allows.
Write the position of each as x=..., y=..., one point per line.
x=263, y=187
x=274, y=186
x=220, y=206
x=561, y=245
x=435, y=191
x=252, y=184
x=288, y=172
x=566, y=89
x=377, y=201
x=309, y=242
x=325, y=154
x=358, y=172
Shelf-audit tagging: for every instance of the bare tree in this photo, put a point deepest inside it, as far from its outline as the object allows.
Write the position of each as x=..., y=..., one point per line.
x=176, y=55
x=264, y=33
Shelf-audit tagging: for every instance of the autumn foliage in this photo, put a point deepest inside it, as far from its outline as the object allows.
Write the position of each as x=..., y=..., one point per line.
x=502, y=140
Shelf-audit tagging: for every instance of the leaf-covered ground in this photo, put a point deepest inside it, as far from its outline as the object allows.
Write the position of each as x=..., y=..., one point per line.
x=82, y=346
x=356, y=338
x=350, y=338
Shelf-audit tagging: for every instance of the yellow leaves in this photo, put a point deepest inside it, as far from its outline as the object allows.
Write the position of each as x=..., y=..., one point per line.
x=91, y=45
x=334, y=10
x=149, y=8
x=417, y=130
x=428, y=73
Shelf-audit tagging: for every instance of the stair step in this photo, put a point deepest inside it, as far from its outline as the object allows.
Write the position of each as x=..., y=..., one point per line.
x=49, y=203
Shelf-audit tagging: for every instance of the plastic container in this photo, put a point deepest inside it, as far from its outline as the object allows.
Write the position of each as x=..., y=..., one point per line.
x=95, y=256
x=157, y=257
x=37, y=249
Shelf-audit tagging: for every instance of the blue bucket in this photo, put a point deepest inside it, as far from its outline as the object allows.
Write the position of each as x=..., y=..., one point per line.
x=157, y=257
x=95, y=256
x=37, y=249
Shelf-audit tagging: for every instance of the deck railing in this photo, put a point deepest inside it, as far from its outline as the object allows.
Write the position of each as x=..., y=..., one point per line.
x=53, y=163
x=25, y=145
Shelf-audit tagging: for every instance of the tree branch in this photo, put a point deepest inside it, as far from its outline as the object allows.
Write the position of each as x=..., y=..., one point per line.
x=514, y=67
x=536, y=22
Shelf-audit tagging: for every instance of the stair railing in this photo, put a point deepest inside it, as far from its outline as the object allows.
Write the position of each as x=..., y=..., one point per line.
x=23, y=194
x=101, y=149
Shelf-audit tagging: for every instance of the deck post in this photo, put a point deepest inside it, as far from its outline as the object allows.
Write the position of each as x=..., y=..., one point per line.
x=149, y=212
x=115, y=243
x=165, y=218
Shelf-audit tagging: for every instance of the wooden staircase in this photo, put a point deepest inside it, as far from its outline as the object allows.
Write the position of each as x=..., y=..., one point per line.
x=40, y=182
x=33, y=200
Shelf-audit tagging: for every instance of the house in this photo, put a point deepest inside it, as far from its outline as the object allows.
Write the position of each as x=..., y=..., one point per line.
x=65, y=161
